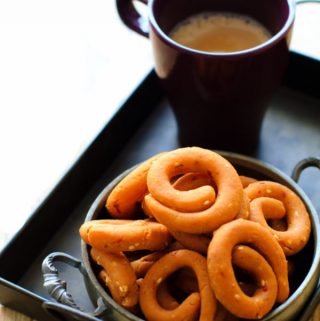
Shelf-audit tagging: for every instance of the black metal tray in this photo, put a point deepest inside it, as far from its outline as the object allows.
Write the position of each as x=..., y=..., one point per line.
x=143, y=126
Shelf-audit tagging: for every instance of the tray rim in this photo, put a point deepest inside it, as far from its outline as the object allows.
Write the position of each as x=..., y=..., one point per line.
x=297, y=65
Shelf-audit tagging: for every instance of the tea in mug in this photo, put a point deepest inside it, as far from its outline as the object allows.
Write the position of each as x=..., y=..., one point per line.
x=220, y=32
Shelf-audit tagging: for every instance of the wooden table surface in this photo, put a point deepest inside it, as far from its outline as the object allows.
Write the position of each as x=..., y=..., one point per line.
x=9, y=315
x=306, y=31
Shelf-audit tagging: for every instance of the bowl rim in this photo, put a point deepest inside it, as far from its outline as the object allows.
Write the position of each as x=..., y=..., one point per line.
x=235, y=159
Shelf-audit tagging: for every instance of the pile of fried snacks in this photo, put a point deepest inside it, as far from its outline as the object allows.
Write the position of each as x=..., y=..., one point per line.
x=188, y=238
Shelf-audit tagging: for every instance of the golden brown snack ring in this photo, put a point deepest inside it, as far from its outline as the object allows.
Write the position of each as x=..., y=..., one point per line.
x=269, y=209
x=186, y=182
x=266, y=289
x=194, y=242
x=190, y=307
x=220, y=268
x=245, y=208
x=119, y=277
x=122, y=201
x=178, y=162
x=142, y=265
x=246, y=180
x=191, y=181
x=165, y=299
x=85, y=227
x=193, y=159
x=224, y=315
x=130, y=236
x=298, y=221
x=104, y=278
x=245, y=205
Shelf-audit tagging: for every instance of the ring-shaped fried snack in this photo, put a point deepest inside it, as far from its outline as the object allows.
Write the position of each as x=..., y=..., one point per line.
x=174, y=163
x=190, y=307
x=118, y=276
x=266, y=286
x=193, y=159
x=267, y=209
x=297, y=234
x=245, y=208
x=224, y=315
x=165, y=299
x=220, y=268
x=129, y=236
x=190, y=181
x=85, y=227
x=194, y=242
x=186, y=182
x=123, y=199
x=246, y=180
x=144, y=263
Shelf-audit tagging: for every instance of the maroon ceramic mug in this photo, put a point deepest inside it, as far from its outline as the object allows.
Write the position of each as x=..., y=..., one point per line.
x=219, y=99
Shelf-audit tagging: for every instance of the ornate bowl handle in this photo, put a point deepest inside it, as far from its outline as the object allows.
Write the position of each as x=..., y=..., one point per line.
x=313, y=304
x=57, y=289
x=303, y=164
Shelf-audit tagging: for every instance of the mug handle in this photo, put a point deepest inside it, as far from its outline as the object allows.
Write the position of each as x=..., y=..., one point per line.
x=132, y=18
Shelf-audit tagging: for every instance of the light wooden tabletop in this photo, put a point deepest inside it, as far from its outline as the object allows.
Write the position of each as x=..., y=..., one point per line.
x=95, y=62
x=10, y=315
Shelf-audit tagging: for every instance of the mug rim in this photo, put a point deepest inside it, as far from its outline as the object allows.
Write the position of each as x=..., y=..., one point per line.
x=254, y=50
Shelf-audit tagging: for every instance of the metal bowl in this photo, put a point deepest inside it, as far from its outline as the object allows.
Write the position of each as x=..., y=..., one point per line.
x=302, y=287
